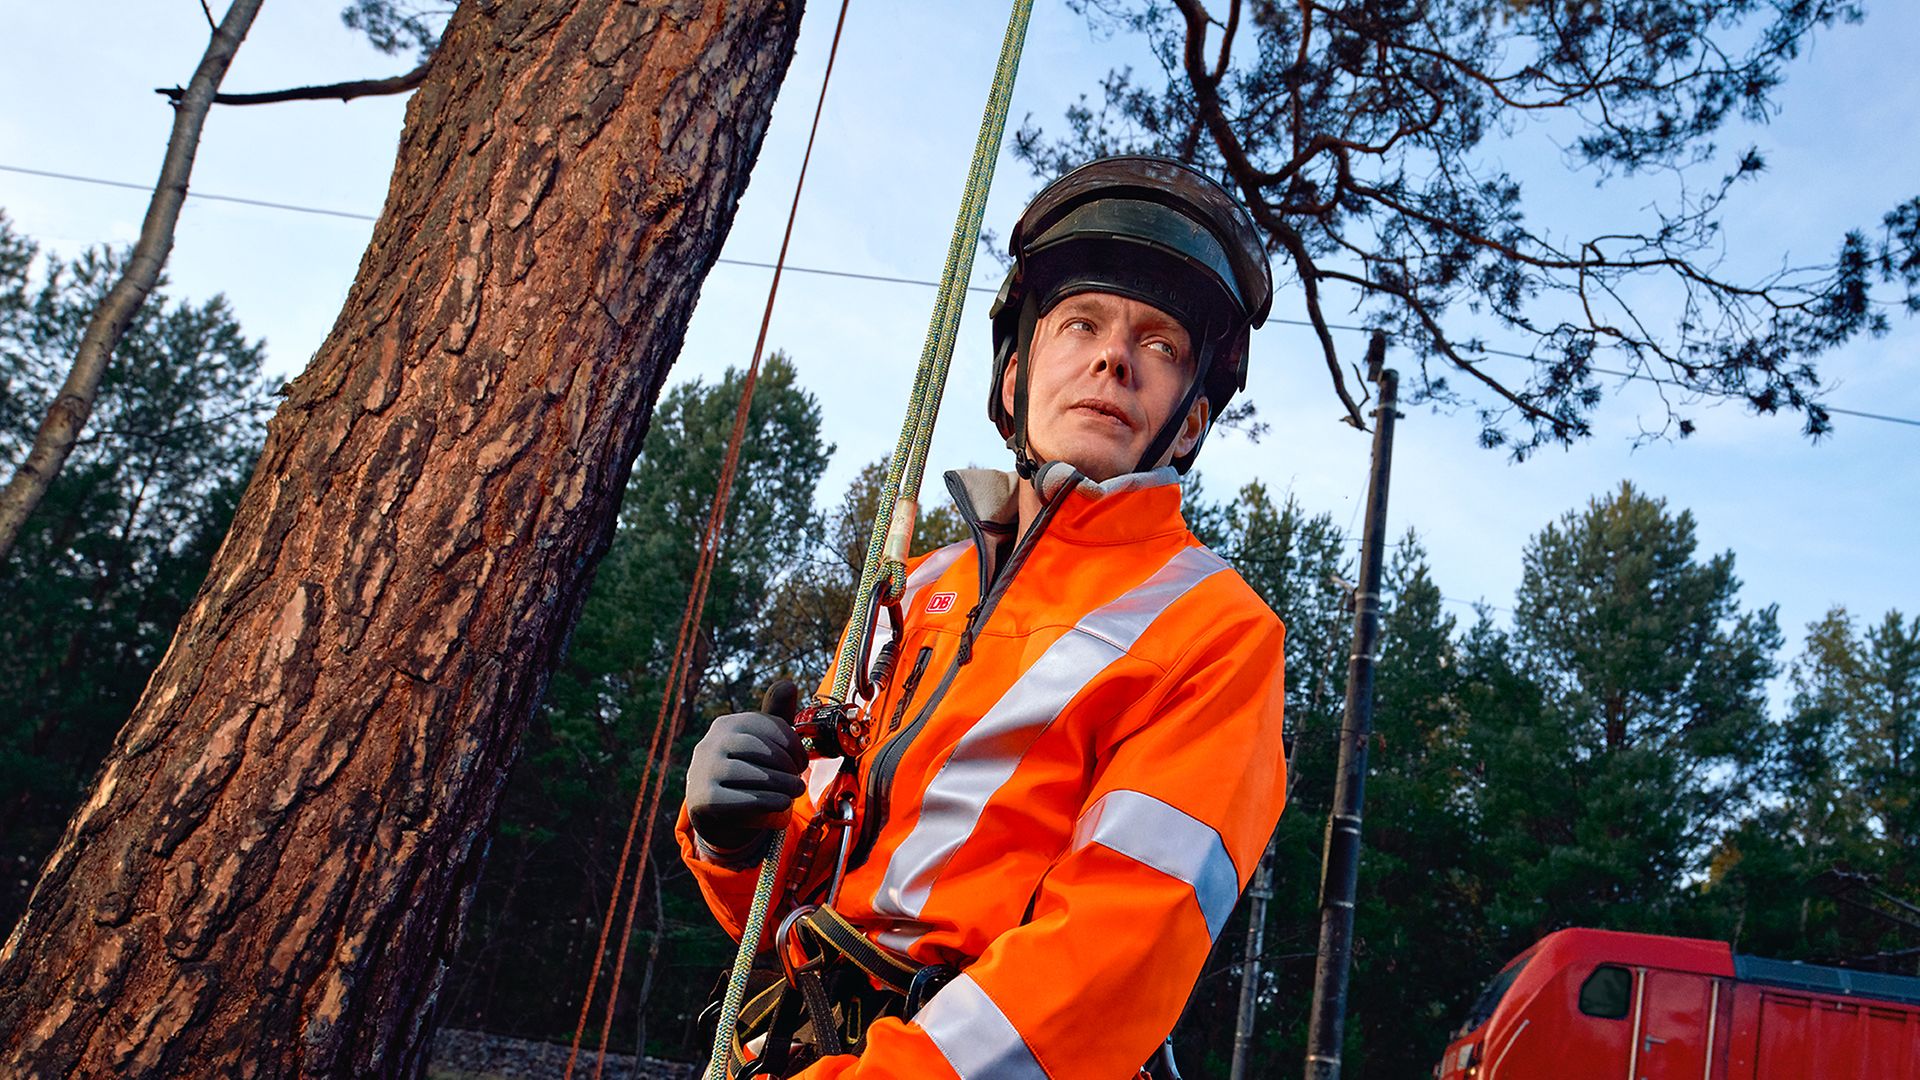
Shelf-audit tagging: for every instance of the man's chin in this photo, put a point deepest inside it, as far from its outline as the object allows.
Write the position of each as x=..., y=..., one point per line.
x=1098, y=464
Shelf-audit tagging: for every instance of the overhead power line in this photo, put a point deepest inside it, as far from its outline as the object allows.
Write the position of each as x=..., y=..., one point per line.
x=191, y=194
x=792, y=269
x=887, y=278
x=352, y=215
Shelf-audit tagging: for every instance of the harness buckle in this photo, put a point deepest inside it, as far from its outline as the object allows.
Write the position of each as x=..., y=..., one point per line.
x=926, y=983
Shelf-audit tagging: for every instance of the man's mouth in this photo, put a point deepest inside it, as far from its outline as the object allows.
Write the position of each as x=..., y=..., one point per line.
x=1104, y=408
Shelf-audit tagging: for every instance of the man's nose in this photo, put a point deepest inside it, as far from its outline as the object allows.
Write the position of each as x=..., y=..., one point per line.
x=1114, y=359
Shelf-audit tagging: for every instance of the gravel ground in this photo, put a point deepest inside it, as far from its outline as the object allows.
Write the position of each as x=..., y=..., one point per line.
x=475, y=1055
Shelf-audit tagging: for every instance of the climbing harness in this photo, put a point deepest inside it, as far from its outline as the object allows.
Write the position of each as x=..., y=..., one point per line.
x=883, y=571
x=832, y=985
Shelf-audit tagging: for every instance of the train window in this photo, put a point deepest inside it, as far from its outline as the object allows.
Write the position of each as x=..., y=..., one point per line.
x=1489, y=998
x=1606, y=992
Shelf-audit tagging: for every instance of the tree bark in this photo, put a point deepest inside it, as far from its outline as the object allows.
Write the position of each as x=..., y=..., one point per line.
x=270, y=874
x=68, y=414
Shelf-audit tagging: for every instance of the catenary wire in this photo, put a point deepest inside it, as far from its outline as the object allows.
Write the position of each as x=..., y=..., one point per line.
x=886, y=278
x=191, y=194
x=356, y=216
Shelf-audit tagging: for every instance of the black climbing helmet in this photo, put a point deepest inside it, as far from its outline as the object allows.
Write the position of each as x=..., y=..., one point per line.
x=1150, y=229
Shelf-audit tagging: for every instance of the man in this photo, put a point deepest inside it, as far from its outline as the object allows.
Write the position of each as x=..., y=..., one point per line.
x=1078, y=761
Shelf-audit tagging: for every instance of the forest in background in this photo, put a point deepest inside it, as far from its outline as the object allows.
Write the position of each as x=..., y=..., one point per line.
x=1603, y=754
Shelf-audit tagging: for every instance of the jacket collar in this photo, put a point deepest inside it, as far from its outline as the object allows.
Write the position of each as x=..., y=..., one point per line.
x=1129, y=507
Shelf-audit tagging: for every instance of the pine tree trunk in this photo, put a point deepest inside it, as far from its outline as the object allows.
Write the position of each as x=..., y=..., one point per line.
x=270, y=874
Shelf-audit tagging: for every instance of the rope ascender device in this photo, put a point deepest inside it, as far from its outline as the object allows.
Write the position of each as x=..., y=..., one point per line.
x=835, y=725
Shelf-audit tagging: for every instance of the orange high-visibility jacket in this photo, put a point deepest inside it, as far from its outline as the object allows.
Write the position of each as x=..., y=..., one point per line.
x=1076, y=767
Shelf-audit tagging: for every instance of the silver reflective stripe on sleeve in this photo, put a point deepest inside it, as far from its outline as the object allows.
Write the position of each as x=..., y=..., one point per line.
x=1169, y=840
x=987, y=755
x=976, y=1038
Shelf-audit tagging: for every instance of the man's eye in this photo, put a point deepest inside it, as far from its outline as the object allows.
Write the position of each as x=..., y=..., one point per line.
x=1165, y=347
x=1079, y=324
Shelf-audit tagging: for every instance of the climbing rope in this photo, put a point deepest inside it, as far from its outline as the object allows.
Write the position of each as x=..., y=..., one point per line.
x=653, y=781
x=892, y=537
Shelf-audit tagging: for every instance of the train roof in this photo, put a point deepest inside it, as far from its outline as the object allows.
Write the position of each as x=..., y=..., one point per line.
x=1827, y=980
x=1653, y=950
x=1716, y=958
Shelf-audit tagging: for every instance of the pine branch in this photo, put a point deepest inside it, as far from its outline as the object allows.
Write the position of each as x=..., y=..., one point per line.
x=343, y=91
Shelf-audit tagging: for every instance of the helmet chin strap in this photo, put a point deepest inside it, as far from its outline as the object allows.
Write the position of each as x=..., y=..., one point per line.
x=1027, y=466
x=1023, y=460
x=1169, y=431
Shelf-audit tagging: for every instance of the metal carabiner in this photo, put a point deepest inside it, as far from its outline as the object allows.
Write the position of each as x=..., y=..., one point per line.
x=845, y=825
x=871, y=675
x=785, y=945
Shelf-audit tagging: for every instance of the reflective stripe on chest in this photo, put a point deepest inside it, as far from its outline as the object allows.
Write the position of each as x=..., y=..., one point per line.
x=985, y=756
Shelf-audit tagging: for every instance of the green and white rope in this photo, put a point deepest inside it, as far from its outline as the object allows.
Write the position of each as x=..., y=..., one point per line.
x=889, y=543
x=892, y=538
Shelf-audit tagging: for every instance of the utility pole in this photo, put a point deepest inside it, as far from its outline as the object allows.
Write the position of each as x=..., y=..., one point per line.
x=1340, y=865
x=1257, y=896
x=1258, y=893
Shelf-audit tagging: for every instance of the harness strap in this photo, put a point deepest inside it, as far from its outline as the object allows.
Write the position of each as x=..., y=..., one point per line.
x=836, y=984
x=827, y=927
x=765, y=1010
x=826, y=1028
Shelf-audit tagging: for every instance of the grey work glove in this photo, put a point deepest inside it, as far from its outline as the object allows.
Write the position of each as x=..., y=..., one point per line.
x=745, y=773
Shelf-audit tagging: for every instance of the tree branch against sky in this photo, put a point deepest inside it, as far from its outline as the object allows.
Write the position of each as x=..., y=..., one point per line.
x=1366, y=137
x=390, y=25
x=68, y=414
x=341, y=91
x=397, y=26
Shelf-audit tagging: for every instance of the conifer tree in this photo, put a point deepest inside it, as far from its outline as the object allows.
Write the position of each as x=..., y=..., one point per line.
x=1651, y=721
x=1845, y=782
x=272, y=870
x=1880, y=731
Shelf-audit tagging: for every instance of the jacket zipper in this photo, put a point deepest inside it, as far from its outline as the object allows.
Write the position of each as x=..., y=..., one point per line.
x=907, y=688
x=880, y=777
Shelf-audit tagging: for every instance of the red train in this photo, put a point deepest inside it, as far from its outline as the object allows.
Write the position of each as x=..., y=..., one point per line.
x=1600, y=1005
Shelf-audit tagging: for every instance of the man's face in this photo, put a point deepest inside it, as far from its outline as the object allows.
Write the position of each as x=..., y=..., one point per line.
x=1107, y=372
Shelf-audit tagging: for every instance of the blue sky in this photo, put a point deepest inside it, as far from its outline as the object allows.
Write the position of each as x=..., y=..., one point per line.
x=1811, y=526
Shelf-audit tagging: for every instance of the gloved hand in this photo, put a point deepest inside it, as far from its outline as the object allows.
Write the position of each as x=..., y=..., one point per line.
x=745, y=772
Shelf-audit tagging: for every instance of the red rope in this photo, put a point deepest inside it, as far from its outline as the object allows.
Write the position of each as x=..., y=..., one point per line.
x=653, y=782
